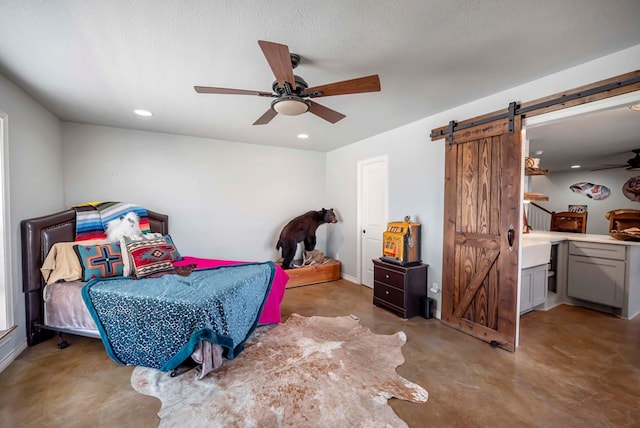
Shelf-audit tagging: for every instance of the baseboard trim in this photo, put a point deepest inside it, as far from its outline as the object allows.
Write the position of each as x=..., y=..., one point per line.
x=349, y=278
x=12, y=355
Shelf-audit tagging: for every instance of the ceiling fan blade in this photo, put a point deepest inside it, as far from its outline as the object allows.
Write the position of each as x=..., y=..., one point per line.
x=610, y=167
x=279, y=60
x=325, y=112
x=266, y=117
x=353, y=86
x=212, y=90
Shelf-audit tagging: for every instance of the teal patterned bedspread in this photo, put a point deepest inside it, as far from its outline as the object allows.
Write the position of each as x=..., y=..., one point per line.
x=157, y=322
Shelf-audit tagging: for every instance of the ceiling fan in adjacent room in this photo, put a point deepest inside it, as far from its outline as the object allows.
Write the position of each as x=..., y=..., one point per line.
x=292, y=96
x=632, y=164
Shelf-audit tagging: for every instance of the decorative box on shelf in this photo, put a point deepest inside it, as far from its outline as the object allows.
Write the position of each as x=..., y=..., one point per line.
x=399, y=288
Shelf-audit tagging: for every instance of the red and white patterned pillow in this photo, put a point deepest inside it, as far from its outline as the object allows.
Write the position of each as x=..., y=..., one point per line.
x=149, y=256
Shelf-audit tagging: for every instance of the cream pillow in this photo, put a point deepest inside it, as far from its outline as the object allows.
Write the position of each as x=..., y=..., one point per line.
x=62, y=264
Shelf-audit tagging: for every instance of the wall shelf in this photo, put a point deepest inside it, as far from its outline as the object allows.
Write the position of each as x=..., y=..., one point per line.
x=535, y=171
x=533, y=196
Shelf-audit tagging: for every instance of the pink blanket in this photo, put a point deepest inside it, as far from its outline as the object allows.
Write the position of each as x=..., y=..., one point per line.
x=271, y=310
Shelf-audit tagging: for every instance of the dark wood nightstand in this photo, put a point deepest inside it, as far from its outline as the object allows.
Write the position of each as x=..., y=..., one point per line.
x=399, y=288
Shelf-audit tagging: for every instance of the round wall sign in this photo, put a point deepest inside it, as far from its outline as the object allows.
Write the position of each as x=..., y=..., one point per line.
x=631, y=189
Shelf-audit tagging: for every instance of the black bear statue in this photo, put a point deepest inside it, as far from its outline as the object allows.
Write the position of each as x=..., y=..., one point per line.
x=302, y=228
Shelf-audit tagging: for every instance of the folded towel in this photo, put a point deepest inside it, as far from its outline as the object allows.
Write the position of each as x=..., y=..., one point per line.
x=113, y=210
x=92, y=218
x=88, y=223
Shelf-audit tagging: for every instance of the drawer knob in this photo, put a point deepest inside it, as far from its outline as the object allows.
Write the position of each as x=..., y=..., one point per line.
x=386, y=276
x=386, y=292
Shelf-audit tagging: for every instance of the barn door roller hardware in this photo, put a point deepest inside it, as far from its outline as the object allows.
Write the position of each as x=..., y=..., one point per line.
x=511, y=113
x=452, y=127
x=514, y=109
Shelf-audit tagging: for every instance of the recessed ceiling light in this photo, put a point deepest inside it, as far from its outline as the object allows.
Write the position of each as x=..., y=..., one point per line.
x=143, y=113
x=635, y=107
x=576, y=166
x=539, y=152
x=303, y=136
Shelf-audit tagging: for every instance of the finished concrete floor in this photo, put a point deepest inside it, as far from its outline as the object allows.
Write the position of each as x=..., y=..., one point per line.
x=574, y=368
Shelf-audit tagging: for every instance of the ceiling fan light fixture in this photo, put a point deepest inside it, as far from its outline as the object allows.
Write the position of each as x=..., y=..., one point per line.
x=290, y=105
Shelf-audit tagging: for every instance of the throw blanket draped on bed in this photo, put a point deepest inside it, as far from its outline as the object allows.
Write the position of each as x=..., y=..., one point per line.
x=271, y=310
x=157, y=322
x=92, y=218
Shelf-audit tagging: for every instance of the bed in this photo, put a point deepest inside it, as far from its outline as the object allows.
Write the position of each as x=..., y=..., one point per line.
x=39, y=236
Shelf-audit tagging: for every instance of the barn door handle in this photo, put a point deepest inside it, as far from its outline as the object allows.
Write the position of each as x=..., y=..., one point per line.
x=510, y=234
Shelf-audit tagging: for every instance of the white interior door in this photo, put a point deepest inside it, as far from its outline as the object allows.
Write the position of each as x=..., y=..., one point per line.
x=373, y=213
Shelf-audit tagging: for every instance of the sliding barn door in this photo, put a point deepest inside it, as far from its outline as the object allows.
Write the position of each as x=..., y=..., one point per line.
x=481, y=232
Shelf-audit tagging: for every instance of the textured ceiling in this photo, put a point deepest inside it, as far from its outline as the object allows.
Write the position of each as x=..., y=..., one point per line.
x=96, y=61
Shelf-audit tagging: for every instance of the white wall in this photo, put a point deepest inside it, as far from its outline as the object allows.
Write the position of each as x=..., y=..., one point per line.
x=224, y=199
x=556, y=186
x=36, y=186
x=416, y=170
x=416, y=177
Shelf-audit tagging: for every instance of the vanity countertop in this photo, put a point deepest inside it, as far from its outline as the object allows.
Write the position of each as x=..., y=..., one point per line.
x=554, y=237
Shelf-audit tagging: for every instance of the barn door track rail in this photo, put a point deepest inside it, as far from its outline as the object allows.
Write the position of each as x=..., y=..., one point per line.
x=606, y=88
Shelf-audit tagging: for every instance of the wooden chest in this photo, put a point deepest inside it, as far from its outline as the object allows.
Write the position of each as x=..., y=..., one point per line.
x=327, y=271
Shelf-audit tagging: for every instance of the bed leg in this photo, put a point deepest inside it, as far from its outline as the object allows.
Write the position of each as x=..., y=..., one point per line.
x=61, y=342
x=183, y=368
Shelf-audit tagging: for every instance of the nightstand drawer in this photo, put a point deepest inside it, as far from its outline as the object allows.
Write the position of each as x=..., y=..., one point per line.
x=389, y=294
x=389, y=277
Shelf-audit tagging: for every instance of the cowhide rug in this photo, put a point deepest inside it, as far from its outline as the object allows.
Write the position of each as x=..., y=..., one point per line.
x=306, y=372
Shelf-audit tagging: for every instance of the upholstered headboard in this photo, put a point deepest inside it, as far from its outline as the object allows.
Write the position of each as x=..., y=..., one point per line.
x=38, y=236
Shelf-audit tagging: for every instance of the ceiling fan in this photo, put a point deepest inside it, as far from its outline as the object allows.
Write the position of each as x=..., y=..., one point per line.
x=632, y=164
x=292, y=96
